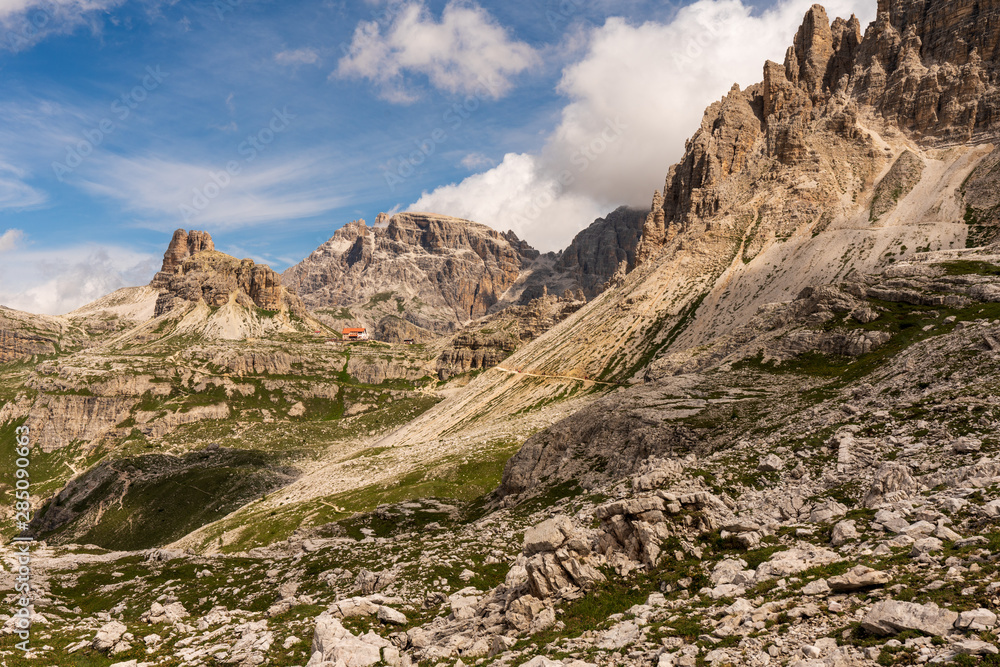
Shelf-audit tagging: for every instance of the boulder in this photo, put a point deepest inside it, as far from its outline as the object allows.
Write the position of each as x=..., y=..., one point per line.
x=925, y=546
x=966, y=445
x=858, y=578
x=976, y=620
x=889, y=617
x=332, y=642
x=844, y=532
x=817, y=587
x=548, y=535
x=391, y=616
x=793, y=561
x=771, y=463
x=170, y=613
x=108, y=636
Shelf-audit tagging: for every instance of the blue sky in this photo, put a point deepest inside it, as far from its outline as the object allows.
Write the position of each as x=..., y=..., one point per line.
x=271, y=124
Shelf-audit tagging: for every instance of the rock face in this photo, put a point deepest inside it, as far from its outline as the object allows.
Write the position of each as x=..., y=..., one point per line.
x=61, y=420
x=596, y=253
x=930, y=67
x=194, y=271
x=925, y=67
x=183, y=245
x=439, y=273
x=16, y=345
x=491, y=340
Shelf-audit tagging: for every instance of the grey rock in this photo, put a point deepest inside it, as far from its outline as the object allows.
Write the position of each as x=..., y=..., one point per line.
x=858, y=578
x=891, y=616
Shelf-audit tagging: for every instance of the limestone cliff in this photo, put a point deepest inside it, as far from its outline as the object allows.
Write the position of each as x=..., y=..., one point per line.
x=925, y=69
x=15, y=345
x=193, y=271
x=597, y=252
x=491, y=340
x=439, y=273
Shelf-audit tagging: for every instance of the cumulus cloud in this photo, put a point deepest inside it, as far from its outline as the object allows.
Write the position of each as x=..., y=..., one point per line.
x=10, y=239
x=518, y=194
x=297, y=57
x=635, y=96
x=465, y=51
x=57, y=281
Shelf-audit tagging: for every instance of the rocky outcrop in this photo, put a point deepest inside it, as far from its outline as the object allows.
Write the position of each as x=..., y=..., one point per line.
x=60, y=420
x=595, y=254
x=376, y=369
x=488, y=342
x=256, y=362
x=193, y=271
x=433, y=270
x=184, y=244
x=393, y=329
x=982, y=209
x=170, y=421
x=901, y=179
x=17, y=346
x=925, y=67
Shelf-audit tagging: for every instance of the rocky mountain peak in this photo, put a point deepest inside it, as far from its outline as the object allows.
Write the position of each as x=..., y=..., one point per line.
x=441, y=270
x=193, y=271
x=438, y=272
x=184, y=244
x=925, y=68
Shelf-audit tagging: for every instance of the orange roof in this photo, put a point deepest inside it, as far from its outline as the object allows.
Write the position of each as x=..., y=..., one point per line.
x=349, y=330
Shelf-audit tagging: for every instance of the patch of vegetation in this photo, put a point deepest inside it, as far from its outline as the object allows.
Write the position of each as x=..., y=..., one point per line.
x=153, y=500
x=965, y=267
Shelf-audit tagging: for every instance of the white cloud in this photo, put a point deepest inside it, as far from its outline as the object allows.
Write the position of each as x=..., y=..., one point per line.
x=10, y=239
x=175, y=194
x=652, y=82
x=516, y=195
x=297, y=57
x=55, y=281
x=466, y=52
x=25, y=22
x=14, y=192
x=477, y=161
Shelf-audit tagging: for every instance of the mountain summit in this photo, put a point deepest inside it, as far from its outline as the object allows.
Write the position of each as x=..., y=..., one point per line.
x=439, y=273
x=195, y=272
